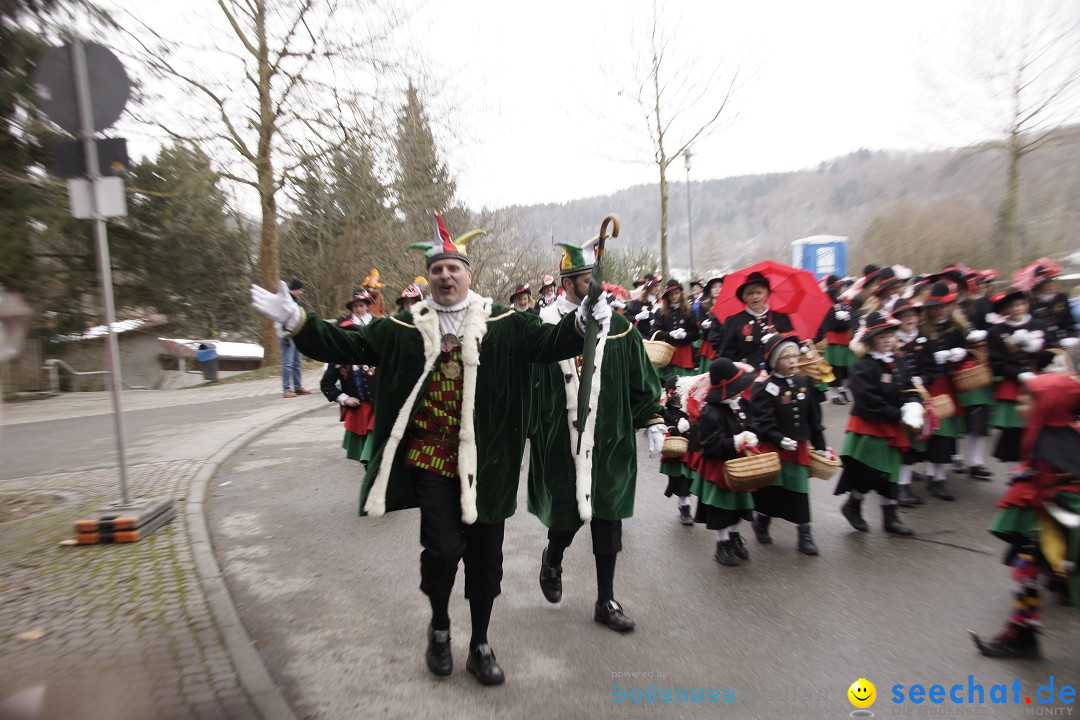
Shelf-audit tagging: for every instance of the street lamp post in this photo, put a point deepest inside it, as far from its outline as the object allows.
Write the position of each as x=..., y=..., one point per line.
x=689, y=226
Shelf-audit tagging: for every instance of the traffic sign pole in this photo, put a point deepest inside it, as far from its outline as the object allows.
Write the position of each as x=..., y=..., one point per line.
x=101, y=240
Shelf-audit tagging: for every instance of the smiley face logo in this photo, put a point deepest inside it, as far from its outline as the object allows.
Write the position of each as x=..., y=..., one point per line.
x=862, y=693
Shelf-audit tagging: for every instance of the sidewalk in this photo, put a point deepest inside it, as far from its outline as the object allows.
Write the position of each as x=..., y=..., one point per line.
x=140, y=630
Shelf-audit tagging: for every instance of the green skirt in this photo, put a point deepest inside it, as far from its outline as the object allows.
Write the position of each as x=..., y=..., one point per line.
x=1004, y=415
x=717, y=497
x=839, y=356
x=951, y=427
x=982, y=396
x=356, y=447
x=874, y=452
x=794, y=477
x=673, y=468
x=1014, y=524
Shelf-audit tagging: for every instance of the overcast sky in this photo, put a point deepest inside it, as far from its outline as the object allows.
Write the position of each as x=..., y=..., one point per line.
x=536, y=86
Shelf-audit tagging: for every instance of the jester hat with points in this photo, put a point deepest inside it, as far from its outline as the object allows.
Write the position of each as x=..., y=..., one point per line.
x=577, y=259
x=442, y=247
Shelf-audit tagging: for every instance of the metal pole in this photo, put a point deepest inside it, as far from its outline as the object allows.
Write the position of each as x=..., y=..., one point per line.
x=101, y=240
x=689, y=227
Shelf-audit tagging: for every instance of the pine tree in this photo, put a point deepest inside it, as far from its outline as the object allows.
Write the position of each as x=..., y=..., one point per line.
x=423, y=183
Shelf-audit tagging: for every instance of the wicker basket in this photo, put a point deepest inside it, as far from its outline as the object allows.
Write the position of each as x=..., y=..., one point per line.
x=674, y=447
x=752, y=471
x=812, y=364
x=943, y=406
x=974, y=378
x=822, y=467
x=659, y=352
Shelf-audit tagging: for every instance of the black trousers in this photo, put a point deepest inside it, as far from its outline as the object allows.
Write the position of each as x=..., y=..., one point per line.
x=606, y=536
x=447, y=540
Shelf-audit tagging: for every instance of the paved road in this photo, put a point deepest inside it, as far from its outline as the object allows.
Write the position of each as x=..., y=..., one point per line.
x=332, y=602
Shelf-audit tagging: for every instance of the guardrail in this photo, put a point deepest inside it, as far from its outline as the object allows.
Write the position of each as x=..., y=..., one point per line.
x=53, y=366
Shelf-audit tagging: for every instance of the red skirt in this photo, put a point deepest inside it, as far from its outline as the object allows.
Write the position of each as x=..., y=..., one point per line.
x=893, y=433
x=838, y=337
x=707, y=351
x=799, y=456
x=683, y=357
x=1007, y=390
x=360, y=419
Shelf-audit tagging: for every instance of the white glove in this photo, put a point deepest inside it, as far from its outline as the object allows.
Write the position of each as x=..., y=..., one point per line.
x=745, y=438
x=911, y=414
x=1025, y=376
x=706, y=324
x=788, y=444
x=1033, y=343
x=656, y=434
x=957, y=354
x=677, y=334
x=842, y=315
x=281, y=308
x=643, y=315
x=941, y=356
x=976, y=336
x=1069, y=343
x=601, y=312
x=683, y=425
x=916, y=380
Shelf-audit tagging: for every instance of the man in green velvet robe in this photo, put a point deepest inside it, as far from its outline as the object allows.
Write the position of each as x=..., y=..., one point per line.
x=566, y=488
x=449, y=429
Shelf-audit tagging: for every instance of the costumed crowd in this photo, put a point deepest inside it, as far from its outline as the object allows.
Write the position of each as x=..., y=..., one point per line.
x=726, y=378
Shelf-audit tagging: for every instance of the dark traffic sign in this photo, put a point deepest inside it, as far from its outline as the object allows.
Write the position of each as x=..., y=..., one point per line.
x=55, y=81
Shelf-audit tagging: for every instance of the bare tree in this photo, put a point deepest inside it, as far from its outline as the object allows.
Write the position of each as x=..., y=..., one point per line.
x=1026, y=73
x=680, y=107
x=281, y=86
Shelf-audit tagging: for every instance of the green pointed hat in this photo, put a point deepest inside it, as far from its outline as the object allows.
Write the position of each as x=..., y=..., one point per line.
x=577, y=259
x=442, y=247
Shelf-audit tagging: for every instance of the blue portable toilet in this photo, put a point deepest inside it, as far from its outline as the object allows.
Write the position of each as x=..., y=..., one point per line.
x=821, y=254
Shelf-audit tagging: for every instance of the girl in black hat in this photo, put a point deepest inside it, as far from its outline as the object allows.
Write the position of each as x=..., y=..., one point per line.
x=787, y=420
x=678, y=425
x=1051, y=308
x=835, y=332
x=721, y=434
x=706, y=320
x=1017, y=351
x=676, y=324
x=909, y=342
x=885, y=401
x=353, y=386
x=946, y=347
x=741, y=337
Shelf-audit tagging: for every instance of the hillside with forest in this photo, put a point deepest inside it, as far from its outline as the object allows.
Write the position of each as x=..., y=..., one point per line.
x=921, y=209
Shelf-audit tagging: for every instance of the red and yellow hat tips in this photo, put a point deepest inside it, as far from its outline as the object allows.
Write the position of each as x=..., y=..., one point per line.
x=442, y=247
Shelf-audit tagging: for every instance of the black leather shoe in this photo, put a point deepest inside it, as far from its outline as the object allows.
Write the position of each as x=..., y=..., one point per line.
x=940, y=490
x=725, y=553
x=806, y=546
x=610, y=613
x=439, y=659
x=738, y=545
x=550, y=580
x=482, y=665
x=980, y=473
x=839, y=401
x=907, y=497
x=852, y=512
x=760, y=525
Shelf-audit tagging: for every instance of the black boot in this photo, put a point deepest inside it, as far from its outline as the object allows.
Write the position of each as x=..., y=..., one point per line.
x=806, y=541
x=439, y=659
x=940, y=490
x=739, y=546
x=907, y=497
x=893, y=524
x=550, y=580
x=761, y=528
x=837, y=400
x=482, y=665
x=852, y=511
x=725, y=553
x=1015, y=642
x=980, y=473
x=684, y=515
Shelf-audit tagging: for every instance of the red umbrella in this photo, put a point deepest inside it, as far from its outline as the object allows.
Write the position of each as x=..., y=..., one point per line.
x=793, y=292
